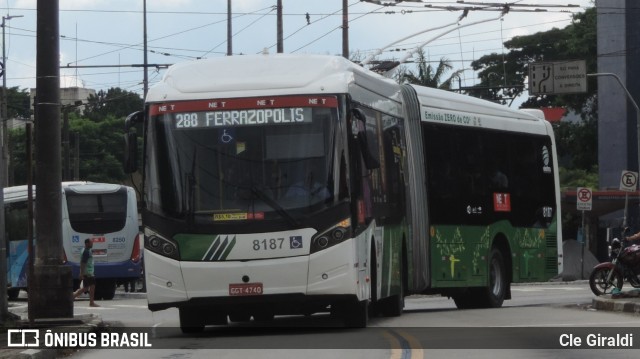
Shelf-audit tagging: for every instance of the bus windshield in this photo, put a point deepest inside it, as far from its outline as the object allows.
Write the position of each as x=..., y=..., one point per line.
x=97, y=212
x=247, y=163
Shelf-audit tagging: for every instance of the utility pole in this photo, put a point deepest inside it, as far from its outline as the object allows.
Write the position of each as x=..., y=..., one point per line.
x=345, y=29
x=52, y=285
x=280, y=46
x=229, y=35
x=144, y=32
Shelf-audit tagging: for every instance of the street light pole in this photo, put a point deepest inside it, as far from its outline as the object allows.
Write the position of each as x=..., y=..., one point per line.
x=635, y=106
x=5, y=117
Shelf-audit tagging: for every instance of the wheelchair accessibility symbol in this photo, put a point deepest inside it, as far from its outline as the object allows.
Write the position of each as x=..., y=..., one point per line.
x=225, y=137
x=295, y=242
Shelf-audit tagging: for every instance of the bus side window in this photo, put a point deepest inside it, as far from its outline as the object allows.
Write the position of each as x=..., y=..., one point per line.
x=16, y=222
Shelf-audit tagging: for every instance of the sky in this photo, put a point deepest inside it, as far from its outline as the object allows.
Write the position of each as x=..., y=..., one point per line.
x=110, y=32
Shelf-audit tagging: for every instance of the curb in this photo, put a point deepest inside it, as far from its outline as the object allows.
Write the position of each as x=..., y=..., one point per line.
x=607, y=303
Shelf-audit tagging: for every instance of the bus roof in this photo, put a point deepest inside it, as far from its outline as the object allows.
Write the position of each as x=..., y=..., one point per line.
x=87, y=187
x=456, y=109
x=289, y=74
x=260, y=75
x=19, y=193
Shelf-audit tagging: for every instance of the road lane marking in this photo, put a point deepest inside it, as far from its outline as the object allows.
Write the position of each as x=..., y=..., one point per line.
x=396, y=351
x=404, y=345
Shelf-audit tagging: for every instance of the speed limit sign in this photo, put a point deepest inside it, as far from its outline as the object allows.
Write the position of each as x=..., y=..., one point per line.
x=584, y=199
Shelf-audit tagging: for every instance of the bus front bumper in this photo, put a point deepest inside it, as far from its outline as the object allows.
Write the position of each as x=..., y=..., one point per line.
x=321, y=277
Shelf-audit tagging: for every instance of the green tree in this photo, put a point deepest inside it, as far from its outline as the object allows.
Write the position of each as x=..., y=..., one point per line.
x=429, y=76
x=101, y=148
x=18, y=103
x=114, y=102
x=100, y=144
x=577, y=144
x=99, y=132
x=503, y=76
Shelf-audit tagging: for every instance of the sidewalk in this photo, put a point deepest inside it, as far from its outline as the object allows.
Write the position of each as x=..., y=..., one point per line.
x=82, y=322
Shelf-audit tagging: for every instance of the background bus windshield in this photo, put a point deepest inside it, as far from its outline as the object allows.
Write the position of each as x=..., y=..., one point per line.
x=97, y=212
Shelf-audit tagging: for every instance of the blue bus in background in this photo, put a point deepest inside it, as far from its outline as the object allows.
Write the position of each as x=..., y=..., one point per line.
x=105, y=213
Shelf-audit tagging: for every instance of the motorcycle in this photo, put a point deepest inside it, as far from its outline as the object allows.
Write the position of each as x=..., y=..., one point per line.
x=624, y=265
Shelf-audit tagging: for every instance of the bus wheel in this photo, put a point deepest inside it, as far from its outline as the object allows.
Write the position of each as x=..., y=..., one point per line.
x=356, y=314
x=13, y=293
x=109, y=290
x=190, y=320
x=495, y=292
x=105, y=289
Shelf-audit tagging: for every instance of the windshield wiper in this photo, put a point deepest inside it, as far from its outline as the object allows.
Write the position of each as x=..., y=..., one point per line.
x=273, y=204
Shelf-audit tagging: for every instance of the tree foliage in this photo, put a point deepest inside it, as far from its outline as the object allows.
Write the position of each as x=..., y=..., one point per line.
x=114, y=102
x=99, y=135
x=503, y=76
x=577, y=144
x=429, y=76
x=18, y=103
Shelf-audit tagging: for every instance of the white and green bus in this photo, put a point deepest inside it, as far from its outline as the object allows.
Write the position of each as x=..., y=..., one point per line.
x=297, y=184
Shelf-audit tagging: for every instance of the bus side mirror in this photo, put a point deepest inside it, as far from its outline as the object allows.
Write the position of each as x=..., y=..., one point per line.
x=359, y=129
x=130, y=152
x=131, y=141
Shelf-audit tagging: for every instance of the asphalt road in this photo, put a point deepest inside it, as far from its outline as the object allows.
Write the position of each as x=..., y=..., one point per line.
x=541, y=321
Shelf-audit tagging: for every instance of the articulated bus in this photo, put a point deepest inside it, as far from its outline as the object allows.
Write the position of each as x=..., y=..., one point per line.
x=297, y=184
x=105, y=213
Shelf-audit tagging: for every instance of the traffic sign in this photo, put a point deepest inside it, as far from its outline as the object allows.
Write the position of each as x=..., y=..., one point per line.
x=584, y=199
x=559, y=77
x=629, y=181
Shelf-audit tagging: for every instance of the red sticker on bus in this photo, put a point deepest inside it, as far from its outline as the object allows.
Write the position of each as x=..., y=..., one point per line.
x=502, y=202
x=255, y=215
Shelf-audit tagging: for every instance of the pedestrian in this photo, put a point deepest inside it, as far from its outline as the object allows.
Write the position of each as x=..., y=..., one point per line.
x=87, y=274
x=129, y=283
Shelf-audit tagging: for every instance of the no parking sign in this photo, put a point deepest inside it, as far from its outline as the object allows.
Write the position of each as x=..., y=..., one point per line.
x=628, y=181
x=584, y=199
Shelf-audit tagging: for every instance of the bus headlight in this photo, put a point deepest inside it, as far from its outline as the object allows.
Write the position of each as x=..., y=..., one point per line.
x=331, y=237
x=162, y=246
